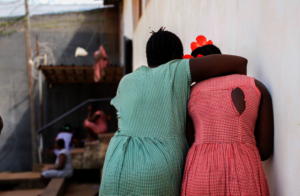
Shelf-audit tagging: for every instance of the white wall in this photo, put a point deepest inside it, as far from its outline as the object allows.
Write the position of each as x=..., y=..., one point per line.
x=128, y=18
x=267, y=33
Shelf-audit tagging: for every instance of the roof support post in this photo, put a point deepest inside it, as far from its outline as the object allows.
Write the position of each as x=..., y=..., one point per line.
x=30, y=82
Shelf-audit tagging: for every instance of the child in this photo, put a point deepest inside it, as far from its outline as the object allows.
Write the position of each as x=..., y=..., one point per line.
x=63, y=164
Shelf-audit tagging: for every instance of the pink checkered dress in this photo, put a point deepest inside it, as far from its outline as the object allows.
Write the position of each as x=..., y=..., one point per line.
x=224, y=159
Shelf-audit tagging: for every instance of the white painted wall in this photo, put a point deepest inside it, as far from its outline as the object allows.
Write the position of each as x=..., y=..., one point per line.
x=128, y=18
x=267, y=33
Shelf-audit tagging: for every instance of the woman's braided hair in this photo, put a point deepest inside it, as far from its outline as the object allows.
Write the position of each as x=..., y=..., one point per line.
x=162, y=47
x=206, y=50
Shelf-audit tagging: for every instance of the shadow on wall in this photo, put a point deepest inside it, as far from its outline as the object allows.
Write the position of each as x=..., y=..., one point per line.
x=15, y=154
x=15, y=140
x=269, y=165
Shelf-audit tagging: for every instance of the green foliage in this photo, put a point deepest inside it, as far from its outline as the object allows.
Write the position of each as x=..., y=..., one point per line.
x=12, y=21
x=9, y=26
x=5, y=26
x=2, y=32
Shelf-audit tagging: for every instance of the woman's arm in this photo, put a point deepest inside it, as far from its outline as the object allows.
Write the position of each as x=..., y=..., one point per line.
x=217, y=65
x=190, y=131
x=264, y=130
x=94, y=117
x=61, y=163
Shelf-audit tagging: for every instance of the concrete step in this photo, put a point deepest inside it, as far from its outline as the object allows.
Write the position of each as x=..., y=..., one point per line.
x=39, y=167
x=77, y=157
x=82, y=189
x=30, y=192
x=56, y=187
x=93, y=154
x=21, y=180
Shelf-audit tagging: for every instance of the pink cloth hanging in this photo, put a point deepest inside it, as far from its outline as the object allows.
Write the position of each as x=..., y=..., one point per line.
x=102, y=61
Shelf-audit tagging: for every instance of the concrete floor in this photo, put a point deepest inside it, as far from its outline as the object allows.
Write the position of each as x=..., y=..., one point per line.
x=33, y=192
x=72, y=190
x=81, y=190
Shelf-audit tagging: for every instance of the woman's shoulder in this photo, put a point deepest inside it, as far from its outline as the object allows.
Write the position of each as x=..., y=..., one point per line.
x=144, y=72
x=64, y=151
x=223, y=82
x=128, y=78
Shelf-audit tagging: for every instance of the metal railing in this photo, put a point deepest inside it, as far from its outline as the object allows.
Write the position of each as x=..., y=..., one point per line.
x=39, y=132
x=71, y=111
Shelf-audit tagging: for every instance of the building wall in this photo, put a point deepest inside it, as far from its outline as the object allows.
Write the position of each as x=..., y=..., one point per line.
x=129, y=17
x=61, y=34
x=267, y=34
x=15, y=140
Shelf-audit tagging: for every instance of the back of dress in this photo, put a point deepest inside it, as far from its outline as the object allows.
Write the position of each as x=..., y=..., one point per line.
x=147, y=154
x=214, y=114
x=224, y=159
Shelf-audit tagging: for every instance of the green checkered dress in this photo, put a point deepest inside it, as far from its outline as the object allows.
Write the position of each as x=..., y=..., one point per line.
x=147, y=154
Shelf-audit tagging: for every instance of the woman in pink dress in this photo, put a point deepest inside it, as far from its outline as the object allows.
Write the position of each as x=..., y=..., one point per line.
x=233, y=121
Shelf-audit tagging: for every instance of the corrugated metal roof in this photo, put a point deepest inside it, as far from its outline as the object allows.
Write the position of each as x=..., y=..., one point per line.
x=15, y=8
x=80, y=74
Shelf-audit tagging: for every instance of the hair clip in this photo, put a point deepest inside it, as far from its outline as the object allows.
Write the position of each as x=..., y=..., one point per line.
x=187, y=56
x=201, y=41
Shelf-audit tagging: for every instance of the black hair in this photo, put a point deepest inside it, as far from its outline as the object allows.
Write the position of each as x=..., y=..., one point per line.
x=94, y=106
x=162, y=47
x=61, y=143
x=206, y=50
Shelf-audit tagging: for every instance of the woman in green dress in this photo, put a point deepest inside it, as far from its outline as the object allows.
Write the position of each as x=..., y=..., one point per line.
x=147, y=154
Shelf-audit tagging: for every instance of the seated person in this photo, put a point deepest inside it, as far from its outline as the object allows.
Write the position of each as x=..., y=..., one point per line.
x=66, y=133
x=95, y=123
x=63, y=164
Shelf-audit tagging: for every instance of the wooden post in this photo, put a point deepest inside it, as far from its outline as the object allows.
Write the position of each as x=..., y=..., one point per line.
x=40, y=148
x=30, y=83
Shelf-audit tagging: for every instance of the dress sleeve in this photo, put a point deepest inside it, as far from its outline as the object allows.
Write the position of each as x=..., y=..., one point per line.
x=181, y=70
x=116, y=100
x=181, y=76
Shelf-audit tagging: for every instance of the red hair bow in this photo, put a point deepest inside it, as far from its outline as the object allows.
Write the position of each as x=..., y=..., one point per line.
x=201, y=41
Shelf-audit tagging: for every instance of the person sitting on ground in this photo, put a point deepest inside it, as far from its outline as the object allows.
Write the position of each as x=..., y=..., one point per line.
x=63, y=165
x=95, y=123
